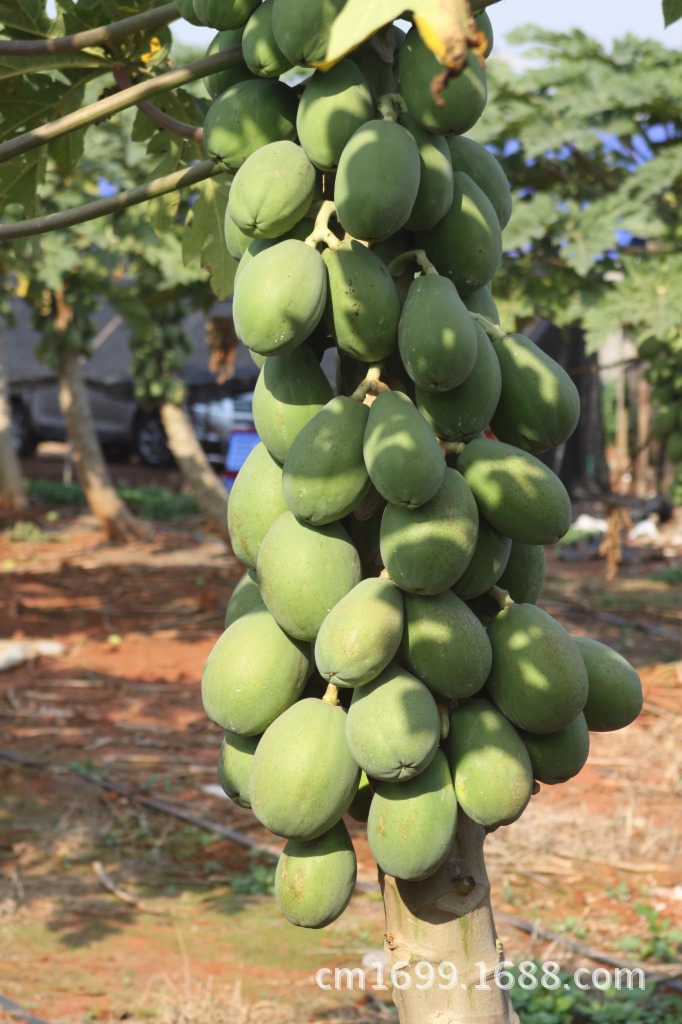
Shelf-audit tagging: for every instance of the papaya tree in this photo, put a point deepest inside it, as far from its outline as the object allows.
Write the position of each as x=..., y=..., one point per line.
x=387, y=619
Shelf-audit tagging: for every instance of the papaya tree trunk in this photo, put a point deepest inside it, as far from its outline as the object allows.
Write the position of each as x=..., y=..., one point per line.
x=12, y=490
x=441, y=939
x=118, y=522
x=200, y=480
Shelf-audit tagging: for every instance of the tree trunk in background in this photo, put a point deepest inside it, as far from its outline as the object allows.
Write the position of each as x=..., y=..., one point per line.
x=447, y=920
x=202, y=483
x=118, y=522
x=12, y=490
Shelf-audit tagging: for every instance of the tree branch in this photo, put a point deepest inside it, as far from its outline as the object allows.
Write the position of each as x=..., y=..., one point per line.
x=119, y=101
x=193, y=132
x=154, y=18
x=112, y=204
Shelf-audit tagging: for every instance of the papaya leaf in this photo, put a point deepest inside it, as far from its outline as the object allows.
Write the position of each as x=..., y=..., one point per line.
x=672, y=11
x=203, y=236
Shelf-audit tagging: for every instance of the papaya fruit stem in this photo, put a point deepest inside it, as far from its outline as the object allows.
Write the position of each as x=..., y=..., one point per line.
x=398, y=266
x=453, y=447
x=371, y=385
x=331, y=694
x=389, y=105
x=502, y=597
x=494, y=332
x=321, y=231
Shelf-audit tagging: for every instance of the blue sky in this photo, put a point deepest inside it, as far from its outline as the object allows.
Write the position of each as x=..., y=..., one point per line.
x=605, y=19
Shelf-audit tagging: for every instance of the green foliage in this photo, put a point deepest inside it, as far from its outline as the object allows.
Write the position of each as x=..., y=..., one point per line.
x=259, y=880
x=663, y=942
x=146, y=500
x=672, y=11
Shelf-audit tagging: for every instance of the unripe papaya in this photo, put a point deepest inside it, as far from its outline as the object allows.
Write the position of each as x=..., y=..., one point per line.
x=280, y=297
x=334, y=104
x=291, y=388
x=222, y=80
x=301, y=28
x=245, y=597
x=363, y=308
x=303, y=776
x=558, y=756
x=245, y=117
x=484, y=25
x=256, y=500
x=515, y=492
x=186, y=8
x=361, y=634
x=234, y=766
x=462, y=413
x=466, y=245
x=393, y=726
x=524, y=574
x=490, y=765
x=487, y=565
x=377, y=180
x=299, y=231
x=445, y=645
x=411, y=824
x=315, y=879
x=436, y=335
x=365, y=536
x=614, y=697
x=482, y=301
x=254, y=672
x=482, y=167
x=224, y=13
x=236, y=240
x=403, y=458
x=303, y=571
x=538, y=679
x=262, y=55
x=324, y=476
x=272, y=190
x=359, y=808
x=378, y=73
x=434, y=196
x=426, y=549
x=539, y=405
x=461, y=101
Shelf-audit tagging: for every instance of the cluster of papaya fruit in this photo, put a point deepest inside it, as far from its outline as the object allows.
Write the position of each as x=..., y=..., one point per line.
x=384, y=654
x=664, y=373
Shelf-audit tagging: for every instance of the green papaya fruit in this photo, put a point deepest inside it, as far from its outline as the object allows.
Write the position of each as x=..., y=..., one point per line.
x=315, y=879
x=218, y=82
x=462, y=413
x=365, y=536
x=482, y=301
x=280, y=297
x=524, y=573
x=256, y=500
x=254, y=672
x=490, y=765
x=245, y=117
x=245, y=597
x=466, y=245
x=614, y=697
x=515, y=492
x=426, y=549
x=303, y=571
x=361, y=634
x=291, y=388
x=403, y=458
x=539, y=404
x=484, y=25
x=262, y=55
x=224, y=14
x=485, y=608
x=324, y=476
x=393, y=726
x=472, y=158
x=359, y=808
x=334, y=104
x=236, y=240
x=303, y=776
x=272, y=190
x=299, y=231
x=301, y=28
x=234, y=766
x=538, y=679
x=487, y=565
x=461, y=101
x=411, y=824
x=558, y=756
x=363, y=308
x=378, y=73
x=434, y=196
x=377, y=180
x=186, y=8
x=445, y=645
x=436, y=335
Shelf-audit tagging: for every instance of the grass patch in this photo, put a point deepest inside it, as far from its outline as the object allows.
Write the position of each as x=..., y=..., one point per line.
x=146, y=500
